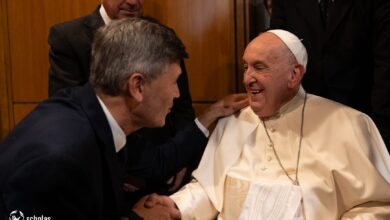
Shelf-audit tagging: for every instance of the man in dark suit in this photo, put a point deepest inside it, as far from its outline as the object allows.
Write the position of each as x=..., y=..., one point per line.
x=349, y=49
x=61, y=160
x=70, y=57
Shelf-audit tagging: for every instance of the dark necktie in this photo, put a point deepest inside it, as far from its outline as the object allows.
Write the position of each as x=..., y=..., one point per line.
x=324, y=8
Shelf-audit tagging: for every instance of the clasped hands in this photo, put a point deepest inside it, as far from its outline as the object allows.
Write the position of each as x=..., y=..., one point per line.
x=156, y=206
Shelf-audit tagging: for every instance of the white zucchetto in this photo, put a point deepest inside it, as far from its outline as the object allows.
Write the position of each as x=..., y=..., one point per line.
x=293, y=43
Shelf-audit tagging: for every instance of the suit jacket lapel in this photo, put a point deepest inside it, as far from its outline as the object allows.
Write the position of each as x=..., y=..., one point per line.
x=93, y=22
x=102, y=129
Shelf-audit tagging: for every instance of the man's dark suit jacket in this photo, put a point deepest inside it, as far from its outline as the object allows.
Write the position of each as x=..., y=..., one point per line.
x=70, y=58
x=349, y=60
x=60, y=161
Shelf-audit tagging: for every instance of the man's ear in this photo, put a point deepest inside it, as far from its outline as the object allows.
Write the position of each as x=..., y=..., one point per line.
x=296, y=76
x=136, y=86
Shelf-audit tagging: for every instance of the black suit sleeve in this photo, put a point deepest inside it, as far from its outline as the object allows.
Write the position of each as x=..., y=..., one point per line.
x=50, y=186
x=133, y=216
x=65, y=69
x=158, y=163
x=381, y=52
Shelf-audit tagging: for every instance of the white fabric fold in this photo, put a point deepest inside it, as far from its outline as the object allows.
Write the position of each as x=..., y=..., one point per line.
x=266, y=201
x=344, y=170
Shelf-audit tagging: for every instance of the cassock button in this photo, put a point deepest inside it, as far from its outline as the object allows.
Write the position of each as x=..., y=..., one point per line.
x=269, y=158
x=263, y=168
x=272, y=130
x=270, y=145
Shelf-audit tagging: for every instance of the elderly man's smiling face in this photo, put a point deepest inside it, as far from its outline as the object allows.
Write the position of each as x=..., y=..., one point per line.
x=269, y=71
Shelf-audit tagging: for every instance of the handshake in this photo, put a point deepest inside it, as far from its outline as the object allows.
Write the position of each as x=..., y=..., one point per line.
x=156, y=206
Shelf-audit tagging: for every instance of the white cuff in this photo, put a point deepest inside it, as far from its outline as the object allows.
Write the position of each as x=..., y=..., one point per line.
x=204, y=130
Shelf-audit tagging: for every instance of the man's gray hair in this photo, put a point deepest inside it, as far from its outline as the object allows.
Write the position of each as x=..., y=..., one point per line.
x=132, y=45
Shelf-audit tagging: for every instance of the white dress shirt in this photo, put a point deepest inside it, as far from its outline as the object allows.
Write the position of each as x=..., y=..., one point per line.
x=117, y=133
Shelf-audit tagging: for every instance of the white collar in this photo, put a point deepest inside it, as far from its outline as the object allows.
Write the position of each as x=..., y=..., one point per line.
x=104, y=15
x=294, y=102
x=117, y=132
x=290, y=105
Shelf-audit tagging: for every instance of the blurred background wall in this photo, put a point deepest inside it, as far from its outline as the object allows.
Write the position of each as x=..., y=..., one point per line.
x=215, y=33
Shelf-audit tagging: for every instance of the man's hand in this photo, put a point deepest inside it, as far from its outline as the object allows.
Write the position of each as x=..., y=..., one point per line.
x=153, y=207
x=155, y=199
x=224, y=107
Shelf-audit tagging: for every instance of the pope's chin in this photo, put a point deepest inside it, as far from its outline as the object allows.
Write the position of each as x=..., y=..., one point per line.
x=256, y=104
x=257, y=107
x=129, y=14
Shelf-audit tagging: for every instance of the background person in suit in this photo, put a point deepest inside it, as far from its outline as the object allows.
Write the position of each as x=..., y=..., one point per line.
x=70, y=57
x=61, y=160
x=70, y=49
x=349, y=48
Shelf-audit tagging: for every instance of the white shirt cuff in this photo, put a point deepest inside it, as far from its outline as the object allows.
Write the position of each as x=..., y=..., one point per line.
x=204, y=130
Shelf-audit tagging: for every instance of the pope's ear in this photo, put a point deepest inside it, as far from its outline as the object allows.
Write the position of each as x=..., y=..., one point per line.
x=136, y=85
x=296, y=76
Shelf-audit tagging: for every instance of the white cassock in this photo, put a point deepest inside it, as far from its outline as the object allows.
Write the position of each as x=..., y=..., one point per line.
x=344, y=169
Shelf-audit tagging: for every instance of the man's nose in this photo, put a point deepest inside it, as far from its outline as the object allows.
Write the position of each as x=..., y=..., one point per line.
x=247, y=78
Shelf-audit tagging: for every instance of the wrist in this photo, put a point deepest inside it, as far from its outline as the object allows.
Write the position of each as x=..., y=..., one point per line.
x=207, y=118
x=132, y=215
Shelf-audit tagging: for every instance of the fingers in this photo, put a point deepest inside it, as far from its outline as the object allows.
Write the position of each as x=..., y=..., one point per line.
x=240, y=104
x=236, y=97
x=175, y=213
x=222, y=108
x=240, y=96
x=154, y=199
x=157, y=212
x=236, y=101
x=151, y=200
x=233, y=103
x=164, y=212
x=154, y=206
x=142, y=201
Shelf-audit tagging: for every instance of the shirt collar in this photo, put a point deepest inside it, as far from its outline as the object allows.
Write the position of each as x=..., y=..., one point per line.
x=104, y=15
x=117, y=132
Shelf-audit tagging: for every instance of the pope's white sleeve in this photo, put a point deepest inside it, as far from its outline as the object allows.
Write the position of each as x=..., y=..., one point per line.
x=377, y=183
x=193, y=202
x=369, y=211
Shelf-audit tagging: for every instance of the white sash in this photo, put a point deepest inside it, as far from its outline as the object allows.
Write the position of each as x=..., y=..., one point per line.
x=267, y=201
